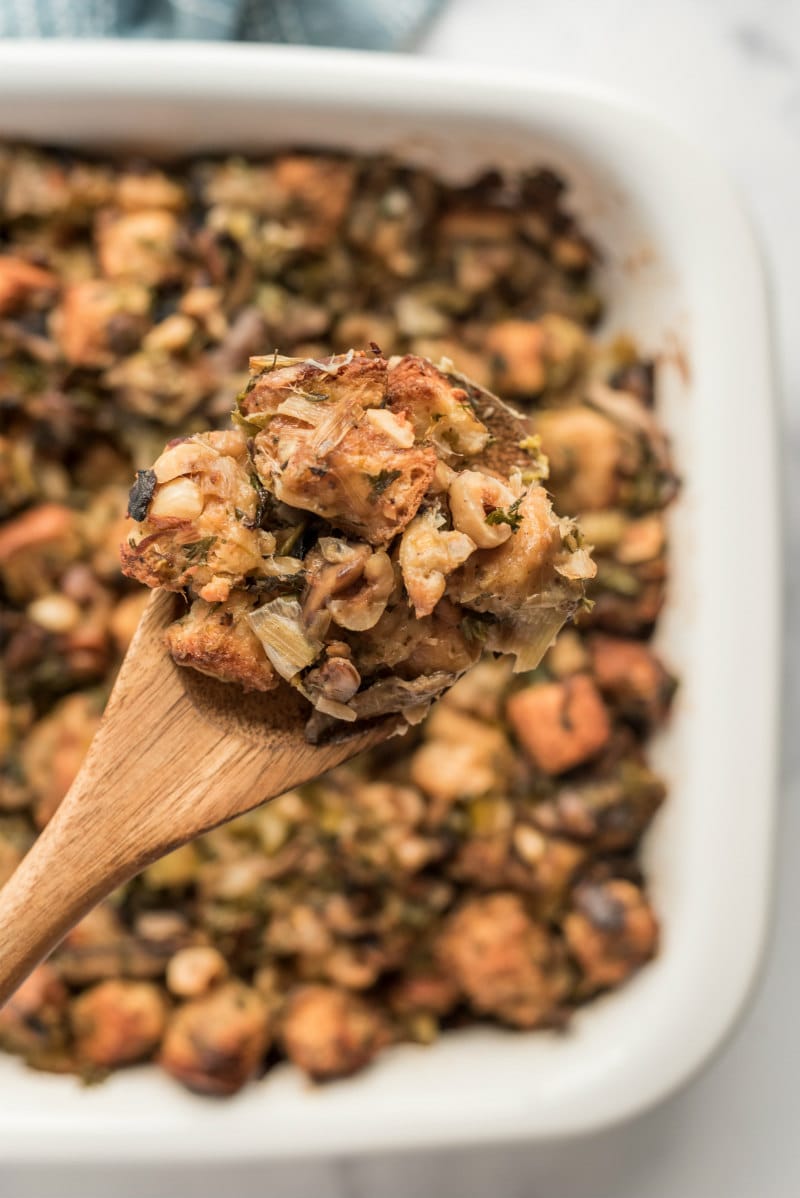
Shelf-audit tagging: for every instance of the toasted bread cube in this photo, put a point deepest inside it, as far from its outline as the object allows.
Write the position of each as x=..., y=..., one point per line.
x=366, y=485
x=560, y=724
x=611, y=931
x=362, y=380
x=633, y=678
x=437, y=406
x=140, y=246
x=329, y=1033
x=22, y=281
x=216, y=639
x=506, y=963
x=585, y=450
x=517, y=351
x=118, y=1022
x=96, y=318
x=215, y=1043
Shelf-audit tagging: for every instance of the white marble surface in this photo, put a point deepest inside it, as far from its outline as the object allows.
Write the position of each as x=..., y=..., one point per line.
x=728, y=73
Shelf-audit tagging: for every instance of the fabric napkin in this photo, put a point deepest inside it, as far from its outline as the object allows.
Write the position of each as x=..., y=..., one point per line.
x=361, y=24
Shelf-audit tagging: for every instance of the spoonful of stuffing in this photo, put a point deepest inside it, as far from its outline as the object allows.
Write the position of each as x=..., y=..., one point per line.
x=324, y=569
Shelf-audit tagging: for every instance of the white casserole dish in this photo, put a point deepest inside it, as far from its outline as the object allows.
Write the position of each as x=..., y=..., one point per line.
x=683, y=275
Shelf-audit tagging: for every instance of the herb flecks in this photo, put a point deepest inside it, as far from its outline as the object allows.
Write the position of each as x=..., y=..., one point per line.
x=618, y=579
x=263, y=497
x=141, y=494
x=382, y=481
x=311, y=396
x=512, y=516
x=474, y=628
x=197, y=551
x=290, y=542
x=539, y=468
x=286, y=584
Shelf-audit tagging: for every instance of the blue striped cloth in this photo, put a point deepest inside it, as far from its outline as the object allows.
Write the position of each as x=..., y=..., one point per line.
x=361, y=24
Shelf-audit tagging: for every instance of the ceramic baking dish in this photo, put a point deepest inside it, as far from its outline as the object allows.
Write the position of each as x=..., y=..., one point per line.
x=683, y=276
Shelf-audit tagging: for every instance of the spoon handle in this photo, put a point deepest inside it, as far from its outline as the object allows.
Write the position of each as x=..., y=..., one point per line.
x=175, y=755
x=110, y=823
x=157, y=774
x=65, y=873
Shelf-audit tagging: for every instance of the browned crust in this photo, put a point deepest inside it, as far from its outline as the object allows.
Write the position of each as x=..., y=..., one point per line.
x=341, y=487
x=363, y=380
x=218, y=641
x=148, y=563
x=416, y=389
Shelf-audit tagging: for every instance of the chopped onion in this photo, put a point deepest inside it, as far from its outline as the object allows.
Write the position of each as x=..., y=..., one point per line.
x=576, y=566
x=302, y=409
x=395, y=694
x=397, y=428
x=527, y=639
x=282, y=567
x=276, y=361
x=337, y=551
x=416, y=714
x=186, y=457
x=279, y=626
x=337, y=423
x=339, y=711
x=331, y=367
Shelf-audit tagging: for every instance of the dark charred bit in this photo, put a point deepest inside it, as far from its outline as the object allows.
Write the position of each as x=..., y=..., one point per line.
x=603, y=910
x=637, y=378
x=140, y=494
x=264, y=499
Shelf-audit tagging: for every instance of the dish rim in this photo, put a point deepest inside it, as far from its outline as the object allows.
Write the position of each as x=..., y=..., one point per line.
x=57, y=71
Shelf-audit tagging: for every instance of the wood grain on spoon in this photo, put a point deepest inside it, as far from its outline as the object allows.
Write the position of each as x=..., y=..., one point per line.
x=177, y=753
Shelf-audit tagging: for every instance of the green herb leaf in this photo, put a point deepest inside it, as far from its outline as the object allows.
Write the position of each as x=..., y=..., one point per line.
x=474, y=629
x=263, y=496
x=293, y=536
x=381, y=481
x=289, y=584
x=512, y=517
x=619, y=579
x=253, y=424
x=540, y=465
x=197, y=551
x=311, y=396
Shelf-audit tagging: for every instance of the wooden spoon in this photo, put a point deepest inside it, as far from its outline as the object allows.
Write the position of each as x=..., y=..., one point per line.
x=177, y=753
